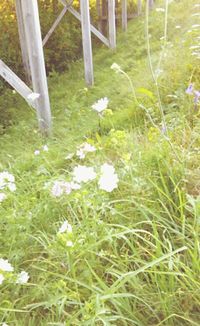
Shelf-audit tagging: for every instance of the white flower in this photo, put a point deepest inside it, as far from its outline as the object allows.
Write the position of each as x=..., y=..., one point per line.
x=75, y=186
x=66, y=226
x=61, y=187
x=116, y=67
x=32, y=97
x=11, y=187
x=45, y=148
x=100, y=105
x=4, y=324
x=37, y=152
x=107, y=169
x=69, y=156
x=57, y=190
x=6, y=180
x=2, y=197
x=1, y=279
x=160, y=9
x=109, y=179
x=22, y=278
x=69, y=243
x=178, y=26
x=85, y=148
x=88, y=148
x=80, y=153
x=108, y=182
x=5, y=265
x=83, y=173
x=6, y=177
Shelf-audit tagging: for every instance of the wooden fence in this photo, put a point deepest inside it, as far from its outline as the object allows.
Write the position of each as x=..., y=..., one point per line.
x=32, y=47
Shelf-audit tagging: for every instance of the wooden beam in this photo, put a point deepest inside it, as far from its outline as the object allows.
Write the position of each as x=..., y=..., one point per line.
x=13, y=80
x=139, y=7
x=124, y=15
x=22, y=39
x=151, y=4
x=55, y=24
x=111, y=23
x=104, y=14
x=37, y=65
x=86, y=41
x=98, y=8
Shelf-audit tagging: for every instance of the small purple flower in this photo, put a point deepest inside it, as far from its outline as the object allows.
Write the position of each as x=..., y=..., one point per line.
x=190, y=89
x=197, y=96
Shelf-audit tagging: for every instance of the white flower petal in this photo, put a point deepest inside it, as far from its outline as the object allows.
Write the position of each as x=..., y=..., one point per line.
x=69, y=243
x=2, y=278
x=65, y=227
x=100, y=105
x=2, y=197
x=83, y=173
x=37, y=152
x=45, y=148
x=22, y=278
x=5, y=265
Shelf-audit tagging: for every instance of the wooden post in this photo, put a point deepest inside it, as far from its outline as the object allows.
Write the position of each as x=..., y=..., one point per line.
x=151, y=4
x=124, y=15
x=139, y=7
x=104, y=16
x=22, y=39
x=111, y=23
x=86, y=40
x=98, y=8
x=37, y=65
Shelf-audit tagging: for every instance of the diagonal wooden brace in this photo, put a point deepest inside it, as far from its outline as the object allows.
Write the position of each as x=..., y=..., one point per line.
x=13, y=80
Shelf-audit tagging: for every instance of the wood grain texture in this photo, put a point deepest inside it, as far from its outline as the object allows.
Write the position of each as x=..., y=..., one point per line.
x=37, y=65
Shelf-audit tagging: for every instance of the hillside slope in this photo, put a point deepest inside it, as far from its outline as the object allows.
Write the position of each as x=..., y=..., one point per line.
x=120, y=245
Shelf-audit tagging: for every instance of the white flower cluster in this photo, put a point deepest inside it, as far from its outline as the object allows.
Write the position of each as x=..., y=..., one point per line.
x=81, y=174
x=7, y=181
x=109, y=179
x=62, y=187
x=5, y=266
x=84, y=149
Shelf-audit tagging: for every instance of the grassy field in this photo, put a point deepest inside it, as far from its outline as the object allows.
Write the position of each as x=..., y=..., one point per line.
x=125, y=257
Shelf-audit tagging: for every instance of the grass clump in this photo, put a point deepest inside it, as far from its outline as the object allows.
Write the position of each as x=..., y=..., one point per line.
x=129, y=256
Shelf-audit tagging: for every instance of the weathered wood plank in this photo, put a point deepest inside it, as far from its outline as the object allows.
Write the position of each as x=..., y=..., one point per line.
x=124, y=15
x=55, y=24
x=86, y=41
x=22, y=39
x=139, y=7
x=37, y=65
x=98, y=8
x=151, y=4
x=104, y=14
x=13, y=80
x=111, y=24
